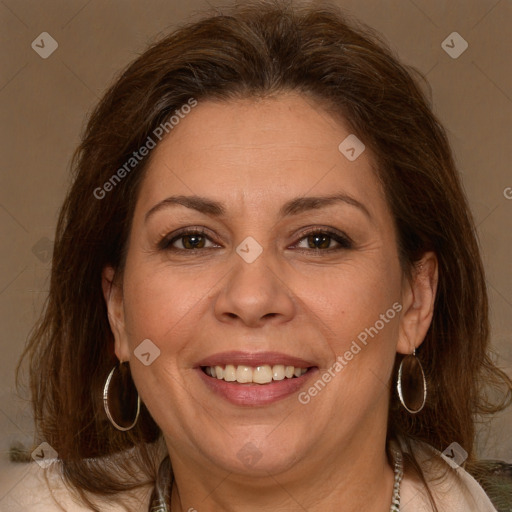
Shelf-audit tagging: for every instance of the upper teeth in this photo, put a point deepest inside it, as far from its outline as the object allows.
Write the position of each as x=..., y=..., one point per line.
x=259, y=374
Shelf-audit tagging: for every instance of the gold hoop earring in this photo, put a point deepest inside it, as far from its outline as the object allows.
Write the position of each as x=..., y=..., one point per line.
x=413, y=395
x=121, y=407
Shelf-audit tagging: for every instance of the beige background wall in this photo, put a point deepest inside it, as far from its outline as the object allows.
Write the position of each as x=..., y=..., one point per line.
x=44, y=103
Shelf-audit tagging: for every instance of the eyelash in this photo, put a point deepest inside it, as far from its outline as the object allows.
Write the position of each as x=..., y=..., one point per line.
x=343, y=240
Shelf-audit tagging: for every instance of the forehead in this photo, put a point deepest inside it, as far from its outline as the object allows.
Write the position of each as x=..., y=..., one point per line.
x=251, y=150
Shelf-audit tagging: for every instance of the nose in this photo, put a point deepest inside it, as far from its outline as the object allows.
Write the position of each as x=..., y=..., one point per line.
x=254, y=294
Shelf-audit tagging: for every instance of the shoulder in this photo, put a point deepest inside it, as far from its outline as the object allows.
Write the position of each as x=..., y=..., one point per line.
x=30, y=488
x=453, y=488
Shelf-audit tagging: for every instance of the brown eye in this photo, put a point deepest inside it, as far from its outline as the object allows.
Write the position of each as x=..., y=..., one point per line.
x=186, y=241
x=325, y=241
x=319, y=241
x=192, y=241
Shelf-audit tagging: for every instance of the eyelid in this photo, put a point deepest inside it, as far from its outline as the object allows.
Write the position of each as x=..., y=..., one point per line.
x=344, y=241
x=166, y=241
x=341, y=238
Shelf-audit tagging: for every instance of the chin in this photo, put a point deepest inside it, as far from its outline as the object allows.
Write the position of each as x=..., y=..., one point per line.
x=256, y=455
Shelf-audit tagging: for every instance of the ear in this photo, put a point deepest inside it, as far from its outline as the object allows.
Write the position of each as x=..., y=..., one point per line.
x=418, y=297
x=113, y=294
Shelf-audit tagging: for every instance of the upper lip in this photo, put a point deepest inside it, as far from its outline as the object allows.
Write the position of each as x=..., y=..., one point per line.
x=254, y=359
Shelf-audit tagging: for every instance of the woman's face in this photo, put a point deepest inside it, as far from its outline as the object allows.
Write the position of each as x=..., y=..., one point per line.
x=257, y=245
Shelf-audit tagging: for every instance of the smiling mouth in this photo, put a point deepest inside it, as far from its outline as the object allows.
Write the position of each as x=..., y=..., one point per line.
x=243, y=374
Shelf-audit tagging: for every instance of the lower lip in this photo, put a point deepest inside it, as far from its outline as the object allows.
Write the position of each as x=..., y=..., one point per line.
x=256, y=394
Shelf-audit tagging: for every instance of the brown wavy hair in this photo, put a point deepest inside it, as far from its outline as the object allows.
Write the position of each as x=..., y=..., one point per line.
x=258, y=49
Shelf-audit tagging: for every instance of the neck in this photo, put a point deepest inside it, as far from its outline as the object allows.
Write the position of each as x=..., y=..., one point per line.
x=338, y=481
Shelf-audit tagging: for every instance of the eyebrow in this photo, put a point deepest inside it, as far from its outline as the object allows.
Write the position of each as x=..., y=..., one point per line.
x=303, y=204
x=292, y=207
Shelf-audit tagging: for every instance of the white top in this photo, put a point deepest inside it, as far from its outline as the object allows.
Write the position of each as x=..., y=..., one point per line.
x=29, y=488
x=458, y=492
x=26, y=487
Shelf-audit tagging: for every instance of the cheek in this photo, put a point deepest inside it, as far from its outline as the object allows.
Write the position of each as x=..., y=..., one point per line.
x=160, y=304
x=359, y=317
x=351, y=300
x=363, y=312
x=166, y=305
x=163, y=306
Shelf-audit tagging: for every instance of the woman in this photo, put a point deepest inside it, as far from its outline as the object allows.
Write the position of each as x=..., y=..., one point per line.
x=266, y=290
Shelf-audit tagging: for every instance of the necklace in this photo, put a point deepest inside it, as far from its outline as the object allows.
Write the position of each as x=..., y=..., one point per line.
x=161, y=497
x=399, y=473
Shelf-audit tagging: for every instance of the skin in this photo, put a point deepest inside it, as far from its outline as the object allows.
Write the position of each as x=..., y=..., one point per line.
x=254, y=156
